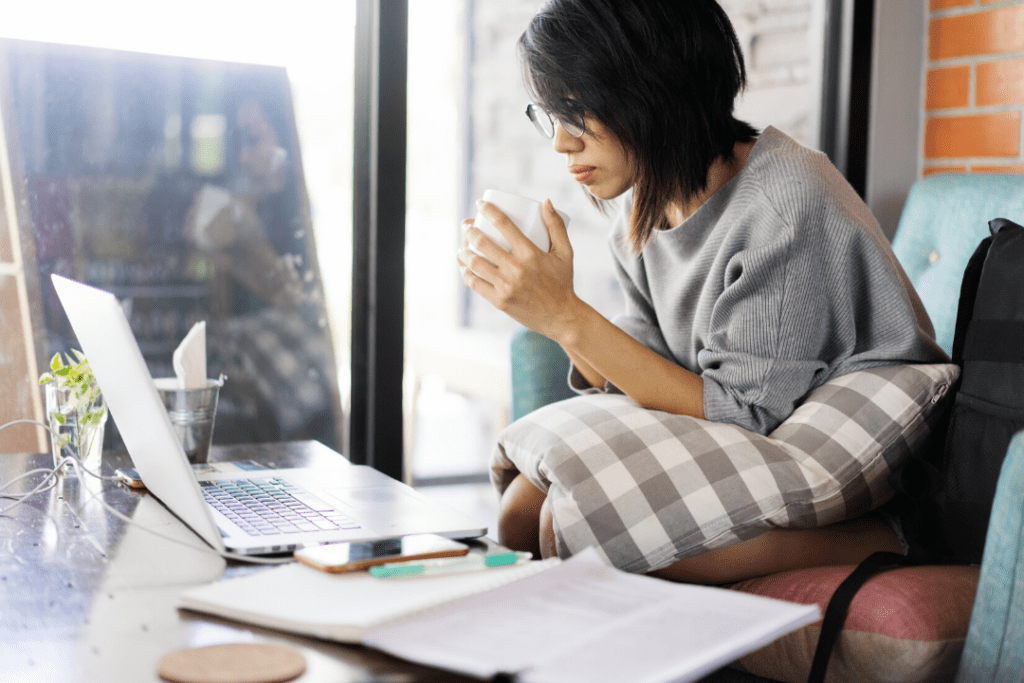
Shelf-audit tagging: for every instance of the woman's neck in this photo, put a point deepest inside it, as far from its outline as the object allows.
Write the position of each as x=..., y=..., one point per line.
x=719, y=174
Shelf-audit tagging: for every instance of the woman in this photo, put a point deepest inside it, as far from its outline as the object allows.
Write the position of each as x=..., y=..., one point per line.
x=753, y=272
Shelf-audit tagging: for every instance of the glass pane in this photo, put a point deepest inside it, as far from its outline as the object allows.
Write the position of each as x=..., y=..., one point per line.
x=199, y=166
x=468, y=133
x=439, y=433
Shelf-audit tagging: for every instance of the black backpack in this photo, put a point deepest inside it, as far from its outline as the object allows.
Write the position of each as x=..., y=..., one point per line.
x=944, y=499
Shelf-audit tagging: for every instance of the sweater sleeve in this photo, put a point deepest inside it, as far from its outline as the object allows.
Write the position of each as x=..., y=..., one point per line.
x=766, y=340
x=813, y=297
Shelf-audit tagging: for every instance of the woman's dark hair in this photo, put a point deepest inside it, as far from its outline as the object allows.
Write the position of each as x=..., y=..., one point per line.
x=661, y=75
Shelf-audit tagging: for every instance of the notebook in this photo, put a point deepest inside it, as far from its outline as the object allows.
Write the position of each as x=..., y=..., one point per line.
x=569, y=621
x=350, y=502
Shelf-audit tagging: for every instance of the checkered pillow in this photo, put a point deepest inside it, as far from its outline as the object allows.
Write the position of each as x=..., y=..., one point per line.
x=647, y=487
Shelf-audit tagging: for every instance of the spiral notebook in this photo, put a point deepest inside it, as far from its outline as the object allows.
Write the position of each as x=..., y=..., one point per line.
x=541, y=622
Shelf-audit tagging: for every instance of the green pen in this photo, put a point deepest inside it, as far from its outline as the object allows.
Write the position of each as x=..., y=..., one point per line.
x=468, y=563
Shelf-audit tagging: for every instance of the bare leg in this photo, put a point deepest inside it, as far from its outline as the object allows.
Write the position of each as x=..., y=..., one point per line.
x=783, y=549
x=519, y=516
x=547, y=531
x=525, y=523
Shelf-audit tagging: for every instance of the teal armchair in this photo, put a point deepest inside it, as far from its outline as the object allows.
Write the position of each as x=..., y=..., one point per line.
x=943, y=220
x=994, y=650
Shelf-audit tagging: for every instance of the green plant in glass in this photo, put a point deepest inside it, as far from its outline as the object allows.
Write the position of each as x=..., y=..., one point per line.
x=75, y=409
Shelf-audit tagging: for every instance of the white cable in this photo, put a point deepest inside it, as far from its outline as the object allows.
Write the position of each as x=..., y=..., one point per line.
x=38, y=470
x=48, y=482
x=51, y=480
x=50, y=429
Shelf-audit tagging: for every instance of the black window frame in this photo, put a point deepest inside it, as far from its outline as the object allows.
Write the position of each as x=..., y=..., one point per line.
x=375, y=435
x=846, y=87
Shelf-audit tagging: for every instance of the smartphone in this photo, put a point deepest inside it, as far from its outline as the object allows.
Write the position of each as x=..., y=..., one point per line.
x=336, y=558
x=130, y=477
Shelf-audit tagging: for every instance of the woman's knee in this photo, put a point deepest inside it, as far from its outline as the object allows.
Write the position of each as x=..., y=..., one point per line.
x=519, y=516
x=548, y=547
x=779, y=550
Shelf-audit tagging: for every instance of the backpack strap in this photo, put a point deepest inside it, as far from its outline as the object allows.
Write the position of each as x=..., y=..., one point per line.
x=992, y=340
x=839, y=605
x=995, y=340
x=968, y=293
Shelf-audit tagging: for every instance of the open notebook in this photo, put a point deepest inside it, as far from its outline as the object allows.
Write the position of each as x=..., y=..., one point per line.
x=547, y=621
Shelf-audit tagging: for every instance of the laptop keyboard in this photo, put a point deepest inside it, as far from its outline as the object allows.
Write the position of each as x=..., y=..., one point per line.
x=265, y=507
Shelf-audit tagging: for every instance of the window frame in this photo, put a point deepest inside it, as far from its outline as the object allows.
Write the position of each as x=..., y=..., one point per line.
x=374, y=436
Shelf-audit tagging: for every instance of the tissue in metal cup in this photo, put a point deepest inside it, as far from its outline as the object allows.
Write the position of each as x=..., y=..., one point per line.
x=192, y=413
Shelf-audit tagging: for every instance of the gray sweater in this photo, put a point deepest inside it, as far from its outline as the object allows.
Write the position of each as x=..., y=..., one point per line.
x=781, y=281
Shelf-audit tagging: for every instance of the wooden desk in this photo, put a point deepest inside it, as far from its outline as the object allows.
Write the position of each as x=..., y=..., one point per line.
x=85, y=596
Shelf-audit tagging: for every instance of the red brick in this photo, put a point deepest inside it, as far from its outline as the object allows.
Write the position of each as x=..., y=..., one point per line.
x=948, y=88
x=982, y=135
x=1000, y=82
x=1009, y=168
x=935, y=170
x=982, y=33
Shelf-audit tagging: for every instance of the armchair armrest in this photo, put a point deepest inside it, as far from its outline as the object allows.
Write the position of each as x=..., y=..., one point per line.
x=994, y=649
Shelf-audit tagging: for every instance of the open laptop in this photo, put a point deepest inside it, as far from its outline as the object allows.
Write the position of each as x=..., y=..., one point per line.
x=347, y=503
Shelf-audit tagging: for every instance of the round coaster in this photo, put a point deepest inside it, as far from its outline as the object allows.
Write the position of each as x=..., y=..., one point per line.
x=232, y=663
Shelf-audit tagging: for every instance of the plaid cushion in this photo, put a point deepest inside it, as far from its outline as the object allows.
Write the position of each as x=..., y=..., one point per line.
x=647, y=487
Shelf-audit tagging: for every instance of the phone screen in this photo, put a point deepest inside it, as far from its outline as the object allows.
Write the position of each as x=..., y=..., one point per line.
x=347, y=557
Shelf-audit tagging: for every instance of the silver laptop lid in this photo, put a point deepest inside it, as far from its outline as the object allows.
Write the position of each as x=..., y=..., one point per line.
x=108, y=342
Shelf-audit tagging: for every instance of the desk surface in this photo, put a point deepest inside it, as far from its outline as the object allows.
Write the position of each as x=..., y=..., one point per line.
x=85, y=596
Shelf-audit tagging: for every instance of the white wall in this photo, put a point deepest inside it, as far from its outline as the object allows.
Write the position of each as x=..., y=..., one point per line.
x=894, y=135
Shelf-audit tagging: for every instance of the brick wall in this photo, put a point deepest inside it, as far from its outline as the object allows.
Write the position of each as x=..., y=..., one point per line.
x=974, y=87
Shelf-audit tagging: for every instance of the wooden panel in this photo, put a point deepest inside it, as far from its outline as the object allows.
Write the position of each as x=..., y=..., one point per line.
x=20, y=396
x=6, y=257
x=19, y=389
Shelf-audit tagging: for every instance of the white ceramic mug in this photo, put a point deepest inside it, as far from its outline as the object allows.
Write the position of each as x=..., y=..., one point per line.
x=525, y=213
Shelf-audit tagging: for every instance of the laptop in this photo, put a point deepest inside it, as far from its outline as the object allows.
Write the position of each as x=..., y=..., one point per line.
x=255, y=512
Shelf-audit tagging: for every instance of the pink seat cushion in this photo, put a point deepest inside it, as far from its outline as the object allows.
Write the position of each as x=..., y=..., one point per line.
x=907, y=624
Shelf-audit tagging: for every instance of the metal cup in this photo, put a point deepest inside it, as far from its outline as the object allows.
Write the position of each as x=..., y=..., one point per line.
x=192, y=413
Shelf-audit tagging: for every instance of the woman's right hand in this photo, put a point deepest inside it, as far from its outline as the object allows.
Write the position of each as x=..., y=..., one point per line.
x=536, y=289
x=533, y=287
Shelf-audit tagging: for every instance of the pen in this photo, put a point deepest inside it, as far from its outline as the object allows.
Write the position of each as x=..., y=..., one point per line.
x=448, y=566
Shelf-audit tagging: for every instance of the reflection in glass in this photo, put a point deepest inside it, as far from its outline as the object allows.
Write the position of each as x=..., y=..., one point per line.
x=177, y=184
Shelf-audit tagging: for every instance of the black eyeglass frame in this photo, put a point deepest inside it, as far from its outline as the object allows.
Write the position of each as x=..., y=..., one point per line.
x=544, y=121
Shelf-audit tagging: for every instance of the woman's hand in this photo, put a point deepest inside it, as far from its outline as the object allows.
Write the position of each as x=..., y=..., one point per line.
x=536, y=289
x=533, y=287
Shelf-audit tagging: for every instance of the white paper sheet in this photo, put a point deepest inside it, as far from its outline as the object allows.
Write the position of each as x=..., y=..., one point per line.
x=585, y=622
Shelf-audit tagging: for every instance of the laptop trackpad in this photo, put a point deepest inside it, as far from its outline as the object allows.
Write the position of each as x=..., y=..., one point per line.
x=387, y=508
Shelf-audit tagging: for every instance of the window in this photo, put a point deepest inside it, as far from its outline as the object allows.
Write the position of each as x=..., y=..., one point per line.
x=197, y=162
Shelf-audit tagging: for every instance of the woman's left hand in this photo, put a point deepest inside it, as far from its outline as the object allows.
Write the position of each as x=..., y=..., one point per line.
x=533, y=287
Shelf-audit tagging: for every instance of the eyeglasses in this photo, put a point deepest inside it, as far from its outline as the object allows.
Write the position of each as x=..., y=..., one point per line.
x=544, y=122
